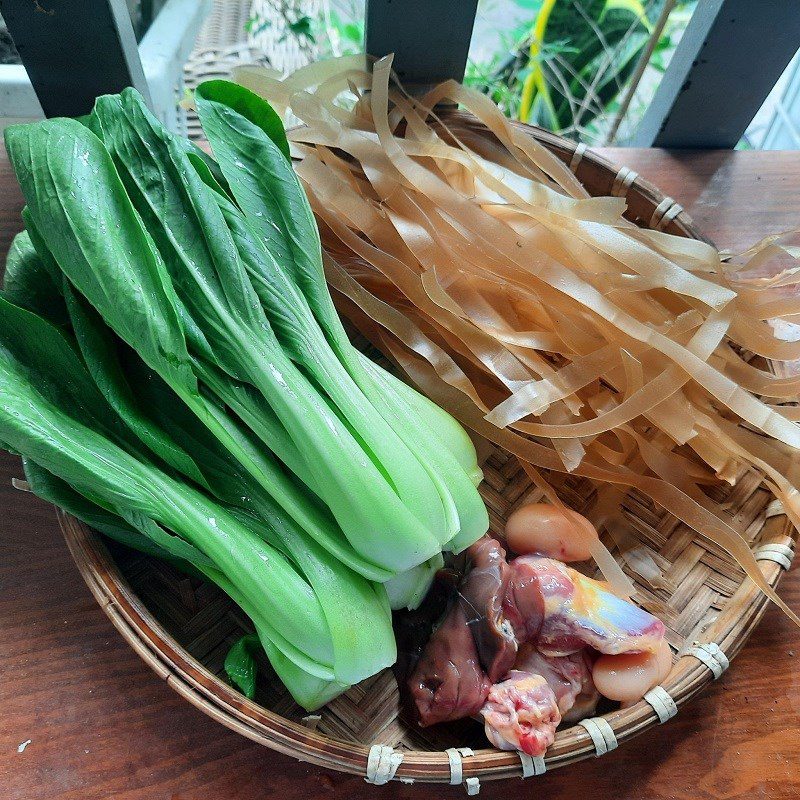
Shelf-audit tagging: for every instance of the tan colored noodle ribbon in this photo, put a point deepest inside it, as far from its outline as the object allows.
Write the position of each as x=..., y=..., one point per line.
x=539, y=316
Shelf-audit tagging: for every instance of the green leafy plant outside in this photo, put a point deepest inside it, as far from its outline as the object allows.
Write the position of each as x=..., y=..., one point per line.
x=568, y=67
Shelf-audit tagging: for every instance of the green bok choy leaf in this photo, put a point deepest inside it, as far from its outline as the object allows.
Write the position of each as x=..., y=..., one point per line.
x=298, y=596
x=173, y=371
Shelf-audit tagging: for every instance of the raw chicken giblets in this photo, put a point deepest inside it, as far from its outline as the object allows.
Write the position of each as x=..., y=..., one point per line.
x=523, y=711
x=563, y=611
x=453, y=684
x=517, y=647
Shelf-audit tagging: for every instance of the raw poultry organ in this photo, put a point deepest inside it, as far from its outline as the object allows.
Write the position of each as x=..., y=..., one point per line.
x=518, y=646
x=523, y=711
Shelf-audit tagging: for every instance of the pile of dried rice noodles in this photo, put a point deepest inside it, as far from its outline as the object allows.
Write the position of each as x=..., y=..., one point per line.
x=535, y=313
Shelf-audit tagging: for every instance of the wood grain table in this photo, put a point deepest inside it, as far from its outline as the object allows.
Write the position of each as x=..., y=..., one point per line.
x=102, y=725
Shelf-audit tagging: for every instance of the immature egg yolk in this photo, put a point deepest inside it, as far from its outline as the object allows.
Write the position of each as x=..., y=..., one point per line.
x=629, y=676
x=543, y=528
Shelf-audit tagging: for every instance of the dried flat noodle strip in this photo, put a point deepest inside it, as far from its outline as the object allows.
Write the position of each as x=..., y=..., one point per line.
x=487, y=112
x=748, y=407
x=640, y=402
x=538, y=315
x=668, y=496
x=411, y=336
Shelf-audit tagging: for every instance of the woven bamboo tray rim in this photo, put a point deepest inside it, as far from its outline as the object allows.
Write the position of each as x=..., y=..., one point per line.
x=740, y=614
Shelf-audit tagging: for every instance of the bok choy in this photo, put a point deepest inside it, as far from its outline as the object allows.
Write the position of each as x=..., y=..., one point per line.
x=173, y=372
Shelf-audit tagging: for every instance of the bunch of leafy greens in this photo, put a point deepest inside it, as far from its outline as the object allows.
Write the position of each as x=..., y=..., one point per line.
x=173, y=372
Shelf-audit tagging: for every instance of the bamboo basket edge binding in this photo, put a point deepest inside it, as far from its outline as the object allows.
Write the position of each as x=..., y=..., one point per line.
x=690, y=673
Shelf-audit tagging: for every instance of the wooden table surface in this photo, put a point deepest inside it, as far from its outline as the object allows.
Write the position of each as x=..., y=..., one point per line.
x=102, y=725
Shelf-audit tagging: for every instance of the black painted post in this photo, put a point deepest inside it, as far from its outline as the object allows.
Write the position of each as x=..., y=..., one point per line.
x=726, y=63
x=75, y=50
x=429, y=38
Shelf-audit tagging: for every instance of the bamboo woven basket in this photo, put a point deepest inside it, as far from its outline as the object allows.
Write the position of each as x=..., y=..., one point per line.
x=183, y=628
